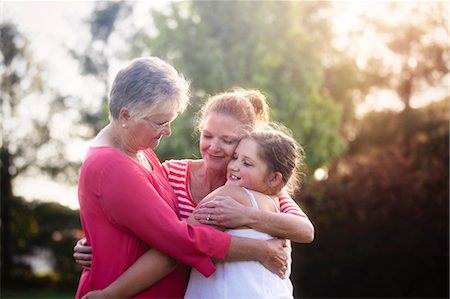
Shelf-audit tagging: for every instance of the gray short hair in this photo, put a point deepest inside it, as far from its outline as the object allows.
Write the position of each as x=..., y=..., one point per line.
x=147, y=84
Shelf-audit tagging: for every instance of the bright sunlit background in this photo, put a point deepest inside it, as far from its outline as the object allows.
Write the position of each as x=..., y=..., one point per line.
x=56, y=26
x=53, y=27
x=363, y=85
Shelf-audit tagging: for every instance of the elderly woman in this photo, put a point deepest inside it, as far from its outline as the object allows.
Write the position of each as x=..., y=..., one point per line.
x=127, y=207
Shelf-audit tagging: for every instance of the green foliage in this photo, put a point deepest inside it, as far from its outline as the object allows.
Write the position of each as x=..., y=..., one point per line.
x=59, y=229
x=383, y=212
x=36, y=293
x=182, y=143
x=25, y=150
x=347, y=85
x=43, y=227
x=21, y=228
x=277, y=50
x=21, y=82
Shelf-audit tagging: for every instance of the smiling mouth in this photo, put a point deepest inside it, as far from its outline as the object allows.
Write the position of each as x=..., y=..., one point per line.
x=234, y=177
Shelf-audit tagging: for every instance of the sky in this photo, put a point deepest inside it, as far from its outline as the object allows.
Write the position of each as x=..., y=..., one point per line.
x=51, y=25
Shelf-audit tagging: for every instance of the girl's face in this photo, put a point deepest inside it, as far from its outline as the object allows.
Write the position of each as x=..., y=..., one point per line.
x=218, y=140
x=246, y=169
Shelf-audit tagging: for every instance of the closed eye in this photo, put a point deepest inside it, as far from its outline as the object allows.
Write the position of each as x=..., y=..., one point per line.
x=228, y=141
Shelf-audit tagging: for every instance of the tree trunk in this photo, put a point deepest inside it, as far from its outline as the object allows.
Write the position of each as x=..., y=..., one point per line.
x=6, y=197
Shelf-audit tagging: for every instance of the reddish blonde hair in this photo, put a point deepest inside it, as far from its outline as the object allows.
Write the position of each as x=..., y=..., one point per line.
x=248, y=106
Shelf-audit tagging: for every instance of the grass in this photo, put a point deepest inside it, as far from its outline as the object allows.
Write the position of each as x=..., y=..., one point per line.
x=35, y=293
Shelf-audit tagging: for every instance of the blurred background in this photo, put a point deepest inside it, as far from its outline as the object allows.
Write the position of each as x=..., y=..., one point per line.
x=363, y=85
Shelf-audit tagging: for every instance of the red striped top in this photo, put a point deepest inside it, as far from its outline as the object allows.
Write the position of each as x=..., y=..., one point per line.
x=177, y=173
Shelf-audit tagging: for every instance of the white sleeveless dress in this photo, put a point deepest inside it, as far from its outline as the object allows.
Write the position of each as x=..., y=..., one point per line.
x=247, y=279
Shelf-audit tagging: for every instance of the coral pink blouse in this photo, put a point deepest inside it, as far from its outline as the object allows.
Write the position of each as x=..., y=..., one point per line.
x=126, y=209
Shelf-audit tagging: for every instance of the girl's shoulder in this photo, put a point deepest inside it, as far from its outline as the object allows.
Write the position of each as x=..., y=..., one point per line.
x=241, y=195
x=237, y=193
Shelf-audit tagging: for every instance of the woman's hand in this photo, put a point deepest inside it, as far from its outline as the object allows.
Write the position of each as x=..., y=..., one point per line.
x=224, y=212
x=276, y=259
x=83, y=254
x=98, y=294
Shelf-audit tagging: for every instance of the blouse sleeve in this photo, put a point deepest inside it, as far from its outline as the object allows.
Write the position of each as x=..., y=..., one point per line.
x=130, y=200
x=166, y=168
x=288, y=205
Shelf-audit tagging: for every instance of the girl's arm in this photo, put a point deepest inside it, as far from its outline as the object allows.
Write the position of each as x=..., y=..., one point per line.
x=225, y=212
x=147, y=270
x=270, y=253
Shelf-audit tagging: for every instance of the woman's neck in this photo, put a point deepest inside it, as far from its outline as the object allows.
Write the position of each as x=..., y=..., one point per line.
x=204, y=180
x=214, y=177
x=109, y=136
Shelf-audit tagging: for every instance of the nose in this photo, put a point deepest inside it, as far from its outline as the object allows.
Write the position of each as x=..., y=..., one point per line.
x=167, y=131
x=232, y=165
x=215, y=145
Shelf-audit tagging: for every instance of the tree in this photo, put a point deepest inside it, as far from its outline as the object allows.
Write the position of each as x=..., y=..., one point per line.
x=31, y=139
x=382, y=212
x=415, y=54
x=30, y=143
x=278, y=50
x=418, y=48
x=96, y=55
x=15, y=65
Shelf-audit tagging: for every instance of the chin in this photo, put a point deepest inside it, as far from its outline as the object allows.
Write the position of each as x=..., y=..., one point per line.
x=217, y=165
x=233, y=183
x=154, y=144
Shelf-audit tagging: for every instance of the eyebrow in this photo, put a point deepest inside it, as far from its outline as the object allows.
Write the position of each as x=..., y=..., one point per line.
x=245, y=157
x=223, y=136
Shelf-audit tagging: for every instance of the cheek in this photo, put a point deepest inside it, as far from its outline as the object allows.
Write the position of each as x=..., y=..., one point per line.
x=150, y=137
x=203, y=145
x=148, y=133
x=229, y=149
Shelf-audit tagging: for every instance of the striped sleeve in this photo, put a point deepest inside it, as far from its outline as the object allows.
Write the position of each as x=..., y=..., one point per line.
x=288, y=205
x=177, y=172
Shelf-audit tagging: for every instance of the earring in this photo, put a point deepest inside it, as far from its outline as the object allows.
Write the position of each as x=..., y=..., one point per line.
x=123, y=125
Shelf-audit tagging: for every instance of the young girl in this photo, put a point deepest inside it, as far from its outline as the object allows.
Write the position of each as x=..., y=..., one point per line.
x=264, y=162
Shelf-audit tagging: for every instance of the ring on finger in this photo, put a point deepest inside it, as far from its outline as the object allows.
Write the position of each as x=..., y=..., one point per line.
x=208, y=217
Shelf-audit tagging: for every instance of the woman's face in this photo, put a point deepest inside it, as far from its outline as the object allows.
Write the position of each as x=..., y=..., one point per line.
x=247, y=169
x=218, y=140
x=146, y=132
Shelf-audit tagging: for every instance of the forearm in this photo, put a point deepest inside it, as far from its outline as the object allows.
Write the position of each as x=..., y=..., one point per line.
x=286, y=226
x=146, y=271
x=270, y=253
x=245, y=249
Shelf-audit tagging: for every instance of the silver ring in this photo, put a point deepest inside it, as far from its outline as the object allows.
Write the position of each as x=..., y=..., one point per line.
x=208, y=217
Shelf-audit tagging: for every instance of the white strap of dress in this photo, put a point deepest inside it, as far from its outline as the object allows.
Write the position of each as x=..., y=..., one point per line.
x=252, y=198
x=275, y=205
